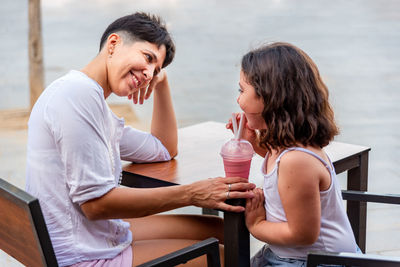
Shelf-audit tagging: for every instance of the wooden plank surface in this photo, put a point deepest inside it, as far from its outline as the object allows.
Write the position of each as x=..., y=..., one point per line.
x=17, y=235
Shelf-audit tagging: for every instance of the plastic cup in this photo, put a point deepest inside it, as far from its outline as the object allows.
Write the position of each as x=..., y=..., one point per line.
x=237, y=155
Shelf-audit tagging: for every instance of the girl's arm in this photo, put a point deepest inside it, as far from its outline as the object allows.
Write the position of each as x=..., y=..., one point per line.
x=298, y=186
x=124, y=202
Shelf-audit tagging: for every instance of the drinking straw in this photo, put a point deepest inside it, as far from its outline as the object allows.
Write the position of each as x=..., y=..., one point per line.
x=239, y=133
x=234, y=125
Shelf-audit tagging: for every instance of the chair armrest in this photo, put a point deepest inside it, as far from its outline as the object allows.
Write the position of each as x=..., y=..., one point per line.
x=209, y=246
x=351, y=259
x=371, y=197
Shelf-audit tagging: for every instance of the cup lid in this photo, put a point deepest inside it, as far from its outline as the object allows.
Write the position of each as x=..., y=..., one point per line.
x=237, y=149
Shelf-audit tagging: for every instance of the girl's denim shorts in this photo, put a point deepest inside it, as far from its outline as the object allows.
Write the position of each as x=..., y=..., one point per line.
x=265, y=258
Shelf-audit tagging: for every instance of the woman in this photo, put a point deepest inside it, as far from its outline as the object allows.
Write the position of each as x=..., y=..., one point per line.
x=75, y=147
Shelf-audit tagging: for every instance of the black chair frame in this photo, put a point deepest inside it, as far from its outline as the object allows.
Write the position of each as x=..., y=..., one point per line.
x=355, y=259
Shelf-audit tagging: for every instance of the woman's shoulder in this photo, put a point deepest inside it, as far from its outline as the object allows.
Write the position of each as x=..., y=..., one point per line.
x=77, y=83
x=74, y=87
x=74, y=93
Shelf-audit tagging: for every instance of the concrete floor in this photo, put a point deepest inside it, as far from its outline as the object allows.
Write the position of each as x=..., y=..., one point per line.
x=354, y=43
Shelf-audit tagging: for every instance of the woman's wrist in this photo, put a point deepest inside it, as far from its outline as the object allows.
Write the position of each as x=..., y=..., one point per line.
x=197, y=193
x=162, y=84
x=187, y=194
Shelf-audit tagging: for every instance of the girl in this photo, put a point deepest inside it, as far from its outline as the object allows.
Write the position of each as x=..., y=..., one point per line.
x=289, y=121
x=75, y=146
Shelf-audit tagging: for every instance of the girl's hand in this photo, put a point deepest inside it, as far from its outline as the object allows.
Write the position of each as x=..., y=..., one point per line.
x=247, y=133
x=255, y=211
x=144, y=92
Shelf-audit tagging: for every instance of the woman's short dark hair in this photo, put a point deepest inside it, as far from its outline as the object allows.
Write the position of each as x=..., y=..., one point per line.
x=143, y=27
x=296, y=107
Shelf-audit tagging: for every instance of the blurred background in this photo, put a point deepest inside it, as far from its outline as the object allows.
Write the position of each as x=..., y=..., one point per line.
x=355, y=44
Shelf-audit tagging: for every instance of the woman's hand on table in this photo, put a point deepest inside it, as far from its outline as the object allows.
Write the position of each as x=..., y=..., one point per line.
x=213, y=192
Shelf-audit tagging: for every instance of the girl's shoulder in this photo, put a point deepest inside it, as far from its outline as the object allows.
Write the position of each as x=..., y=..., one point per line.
x=296, y=158
x=305, y=167
x=303, y=155
x=306, y=160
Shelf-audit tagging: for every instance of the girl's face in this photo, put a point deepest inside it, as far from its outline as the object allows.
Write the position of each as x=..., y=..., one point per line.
x=132, y=66
x=251, y=104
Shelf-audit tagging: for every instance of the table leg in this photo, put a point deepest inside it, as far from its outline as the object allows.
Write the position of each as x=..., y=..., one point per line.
x=236, y=236
x=357, y=179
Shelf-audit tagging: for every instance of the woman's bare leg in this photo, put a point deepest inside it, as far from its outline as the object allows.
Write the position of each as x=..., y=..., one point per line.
x=158, y=235
x=195, y=227
x=145, y=250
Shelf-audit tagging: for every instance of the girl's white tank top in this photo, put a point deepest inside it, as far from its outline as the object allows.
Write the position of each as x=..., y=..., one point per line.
x=335, y=234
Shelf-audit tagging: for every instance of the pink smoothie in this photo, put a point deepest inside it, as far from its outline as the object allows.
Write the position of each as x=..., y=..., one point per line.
x=237, y=155
x=237, y=168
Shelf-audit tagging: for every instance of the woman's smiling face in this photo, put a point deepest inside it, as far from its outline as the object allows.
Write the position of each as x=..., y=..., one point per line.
x=132, y=65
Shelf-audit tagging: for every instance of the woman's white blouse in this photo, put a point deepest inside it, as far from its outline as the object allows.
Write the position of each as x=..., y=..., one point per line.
x=75, y=147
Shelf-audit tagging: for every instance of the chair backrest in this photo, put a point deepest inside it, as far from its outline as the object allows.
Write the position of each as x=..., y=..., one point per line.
x=355, y=259
x=366, y=197
x=351, y=259
x=23, y=231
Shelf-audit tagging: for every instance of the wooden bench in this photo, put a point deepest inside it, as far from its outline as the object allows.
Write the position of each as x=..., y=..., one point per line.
x=354, y=259
x=24, y=235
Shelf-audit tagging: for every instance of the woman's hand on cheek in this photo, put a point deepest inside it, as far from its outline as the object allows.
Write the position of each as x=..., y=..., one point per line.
x=141, y=94
x=134, y=97
x=145, y=92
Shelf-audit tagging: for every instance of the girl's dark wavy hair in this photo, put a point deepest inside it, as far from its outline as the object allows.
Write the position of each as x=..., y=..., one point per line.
x=144, y=27
x=296, y=107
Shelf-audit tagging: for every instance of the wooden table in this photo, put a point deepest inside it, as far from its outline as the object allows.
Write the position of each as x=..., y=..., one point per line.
x=198, y=158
